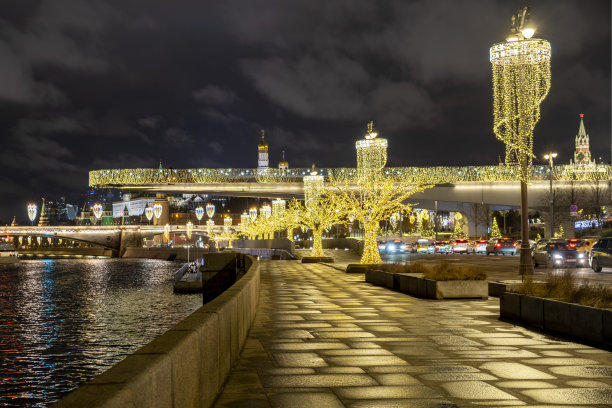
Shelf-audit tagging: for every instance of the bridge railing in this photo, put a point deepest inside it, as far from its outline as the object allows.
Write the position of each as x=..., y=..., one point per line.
x=431, y=175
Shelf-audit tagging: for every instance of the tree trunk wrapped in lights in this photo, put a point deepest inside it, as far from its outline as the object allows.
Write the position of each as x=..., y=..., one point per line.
x=326, y=213
x=371, y=194
x=521, y=81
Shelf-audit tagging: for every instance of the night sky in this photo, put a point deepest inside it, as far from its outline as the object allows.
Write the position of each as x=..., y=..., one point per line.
x=124, y=83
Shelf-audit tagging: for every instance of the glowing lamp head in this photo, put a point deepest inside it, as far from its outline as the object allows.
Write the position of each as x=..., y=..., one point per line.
x=189, y=229
x=157, y=210
x=97, y=210
x=210, y=210
x=199, y=213
x=253, y=214
x=32, y=209
x=266, y=211
x=149, y=213
x=528, y=32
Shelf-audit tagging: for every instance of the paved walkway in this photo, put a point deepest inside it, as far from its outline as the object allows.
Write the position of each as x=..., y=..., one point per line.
x=323, y=338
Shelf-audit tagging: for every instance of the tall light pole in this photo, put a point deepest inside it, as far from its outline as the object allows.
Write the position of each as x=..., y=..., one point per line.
x=550, y=157
x=521, y=81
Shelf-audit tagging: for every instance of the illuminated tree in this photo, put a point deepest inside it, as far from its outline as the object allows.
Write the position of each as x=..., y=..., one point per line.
x=458, y=228
x=495, y=232
x=371, y=194
x=561, y=233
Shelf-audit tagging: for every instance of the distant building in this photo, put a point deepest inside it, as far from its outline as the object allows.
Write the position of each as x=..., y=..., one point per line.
x=134, y=207
x=283, y=165
x=582, y=154
x=262, y=151
x=43, y=221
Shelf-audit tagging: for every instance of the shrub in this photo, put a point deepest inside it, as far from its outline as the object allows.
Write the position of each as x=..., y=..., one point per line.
x=445, y=272
x=442, y=271
x=564, y=287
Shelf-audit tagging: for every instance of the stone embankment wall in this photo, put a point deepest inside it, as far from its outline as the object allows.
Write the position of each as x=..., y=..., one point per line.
x=187, y=365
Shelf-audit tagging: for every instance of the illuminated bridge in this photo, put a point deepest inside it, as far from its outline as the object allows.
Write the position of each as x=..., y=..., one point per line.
x=453, y=188
x=117, y=237
x=496, y=185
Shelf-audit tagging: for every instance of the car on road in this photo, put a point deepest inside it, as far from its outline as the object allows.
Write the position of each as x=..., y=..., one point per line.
x=583, y=244
x=502, y=246
x=382, y=246
x=600, y=255
x=425, y=245
x=480, y=246
x=461, y=246
x=397, y=246
x=557, y=254
x=441, y=247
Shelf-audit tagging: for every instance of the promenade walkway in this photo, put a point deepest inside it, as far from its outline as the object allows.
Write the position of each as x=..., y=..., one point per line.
x=323, y=338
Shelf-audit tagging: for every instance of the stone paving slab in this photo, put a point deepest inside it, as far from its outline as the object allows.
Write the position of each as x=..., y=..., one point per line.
x=322, y=338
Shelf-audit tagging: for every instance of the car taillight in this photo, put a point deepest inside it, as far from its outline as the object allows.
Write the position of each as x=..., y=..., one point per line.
x=454, y=244
x=498, y=245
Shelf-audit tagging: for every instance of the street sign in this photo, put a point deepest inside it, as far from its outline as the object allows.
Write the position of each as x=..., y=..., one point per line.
x=573, y=210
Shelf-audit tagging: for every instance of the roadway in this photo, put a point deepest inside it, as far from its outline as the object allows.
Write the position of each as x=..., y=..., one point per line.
x=497, y=268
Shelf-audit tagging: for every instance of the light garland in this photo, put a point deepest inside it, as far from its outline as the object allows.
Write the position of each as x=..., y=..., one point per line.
x=431, y=175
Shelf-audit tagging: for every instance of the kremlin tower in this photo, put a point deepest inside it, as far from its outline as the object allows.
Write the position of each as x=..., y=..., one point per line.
x=582, y=154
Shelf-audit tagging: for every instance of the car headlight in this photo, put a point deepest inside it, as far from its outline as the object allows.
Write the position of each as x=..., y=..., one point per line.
x=557, y=256
x=580, y=255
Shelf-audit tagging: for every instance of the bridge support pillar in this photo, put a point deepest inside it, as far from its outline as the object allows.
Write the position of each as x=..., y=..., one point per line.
x=130, y=238
x=475, y=219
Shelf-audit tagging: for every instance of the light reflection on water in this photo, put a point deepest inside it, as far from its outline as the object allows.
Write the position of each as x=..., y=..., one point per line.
x=62, y=322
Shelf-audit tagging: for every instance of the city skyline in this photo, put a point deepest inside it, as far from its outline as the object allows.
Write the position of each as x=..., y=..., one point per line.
x=100, y=85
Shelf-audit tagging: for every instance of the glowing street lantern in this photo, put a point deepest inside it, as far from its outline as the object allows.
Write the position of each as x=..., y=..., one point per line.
x=32, y=209
x=253, y=214
x=157, y=210
x=149, y=213
x=266, y=211
x=210, y=210
x=97, y=210
x=29, y=240
x=351, y=217
x=189, y=229
x=39, y=240
x=199, y=213
x=20, y=240
x=227, y=223
x=244, y=220
x=59, y=241
x=209, y=227
x=278, y=207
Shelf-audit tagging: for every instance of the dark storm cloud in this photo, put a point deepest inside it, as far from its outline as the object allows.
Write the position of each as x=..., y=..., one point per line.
x=111, y=84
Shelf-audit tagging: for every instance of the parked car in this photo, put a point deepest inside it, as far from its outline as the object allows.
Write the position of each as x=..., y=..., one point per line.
x=461, y=246
x=557, y=254
x=600, y=255
x=480, y=247
x=502, y=246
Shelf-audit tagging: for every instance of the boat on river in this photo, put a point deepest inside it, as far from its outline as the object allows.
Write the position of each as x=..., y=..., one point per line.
x=188, y=279
x=8, y=253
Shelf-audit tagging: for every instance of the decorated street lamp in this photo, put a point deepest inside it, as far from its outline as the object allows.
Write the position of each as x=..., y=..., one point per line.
x=521, y=81
x=157, y=210
x=210, y=210
x=265, y=211
x=244, y=221
x=227, y=223
x=549, y=157
x=97, y=211
x=32, y=209
x=253, y=214
x=210, y=224
x=199, y=213
x=149, y=213
x=278, y=207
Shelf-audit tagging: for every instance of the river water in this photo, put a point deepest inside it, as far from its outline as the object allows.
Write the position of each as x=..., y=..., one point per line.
x=62, y=322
